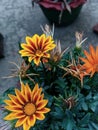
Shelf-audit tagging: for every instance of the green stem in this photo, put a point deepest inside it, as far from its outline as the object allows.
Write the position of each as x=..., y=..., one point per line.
x=44, y=69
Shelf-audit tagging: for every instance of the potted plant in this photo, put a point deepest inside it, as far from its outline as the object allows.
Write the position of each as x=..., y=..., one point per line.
x=58, y=90
x=60, y=12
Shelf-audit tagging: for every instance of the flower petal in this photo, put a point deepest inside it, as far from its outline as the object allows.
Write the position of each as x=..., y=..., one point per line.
x=31, y=58
x=32, y=42
x=27, y=48
x=92, y=51
x=12, y=116
x=41, y=104
x=28, y=92
x=31, y=120
x=43, y=110
x=14, y=108
x=14, y=99
x=37, y=60
x=41, y=41
x=36, y=96
x=21, y=121
x=97, y=55
x=26, y=126
x=23, y=88
x=9, y=102
x=20, y=96
x=39, y=116
x=89, y=57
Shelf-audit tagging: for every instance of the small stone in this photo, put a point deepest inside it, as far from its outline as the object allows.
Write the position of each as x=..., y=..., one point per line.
x=1, y=46
x=95, y=28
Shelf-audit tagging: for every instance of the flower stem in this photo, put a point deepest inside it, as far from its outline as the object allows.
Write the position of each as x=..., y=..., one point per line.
x=44, y=69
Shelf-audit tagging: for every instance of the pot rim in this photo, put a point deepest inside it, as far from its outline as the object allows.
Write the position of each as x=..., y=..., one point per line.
x=58, y=5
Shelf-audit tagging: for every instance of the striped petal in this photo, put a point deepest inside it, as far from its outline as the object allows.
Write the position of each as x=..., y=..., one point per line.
x=20, y=96
x=39, y=116
x=14, y=108
x=13, y=116
x=32, y=42
x=36, y=88
x=46, y=55
x=27, y=48
x=43, y=110
x=28, y=92
x=41, y=104
x=21, y=121
x=36, y=96
x=31, y=120
x=37, y=60
x=14, y=99
x=41, y=41
x=31, y=58
x=9, y=102
x=26, y=126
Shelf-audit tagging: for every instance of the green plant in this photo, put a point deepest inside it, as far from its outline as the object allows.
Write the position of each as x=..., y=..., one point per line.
x=69, y=84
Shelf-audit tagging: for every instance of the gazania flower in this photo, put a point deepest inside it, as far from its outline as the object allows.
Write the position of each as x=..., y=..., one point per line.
x=26, y=106
x=37, y=47
x=91, y=61
x=75, y=70
x=70, y=102
x=21, y=71
x=56, y=54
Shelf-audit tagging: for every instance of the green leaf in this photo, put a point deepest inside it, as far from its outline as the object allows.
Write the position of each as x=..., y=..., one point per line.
x=69, y=125
x=93, y=105
x=9, y=91
x=58, y=113
x=64, y=123
x=83, y=128
x=85, y=120
x=96, y=110
x=86, y=87
x=89, y=96
x=95, y=97
x=60, y=82
x=1, y=100
x=84, y=106
x=95, y=126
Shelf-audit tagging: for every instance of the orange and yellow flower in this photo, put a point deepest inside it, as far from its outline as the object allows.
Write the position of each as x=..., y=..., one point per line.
x=37, y=47
x=26, y=106
x=91, y=61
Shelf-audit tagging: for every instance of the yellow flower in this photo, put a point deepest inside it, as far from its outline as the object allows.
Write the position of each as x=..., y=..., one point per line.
x=37, y=47
x=26, y=106
x=91, y=61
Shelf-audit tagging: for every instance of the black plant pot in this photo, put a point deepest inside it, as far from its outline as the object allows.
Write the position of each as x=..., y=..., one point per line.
x=1, y=46
x=67, y=18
